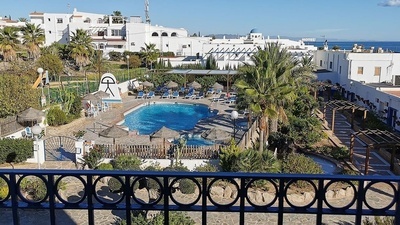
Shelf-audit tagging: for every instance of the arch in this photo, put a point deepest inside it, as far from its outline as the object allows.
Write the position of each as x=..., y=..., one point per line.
x=100, y=20
x=173, y=34
x=164, y=34
x=154, y=34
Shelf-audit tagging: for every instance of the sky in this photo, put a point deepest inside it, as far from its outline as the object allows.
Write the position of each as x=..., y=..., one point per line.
x=352, y=20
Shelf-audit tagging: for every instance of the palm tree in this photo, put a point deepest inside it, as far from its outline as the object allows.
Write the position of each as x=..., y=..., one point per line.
x=33, y=38
x=99, y=63
x=9, y=43
x=81, y=48
x=268, y=85
x=149, y=54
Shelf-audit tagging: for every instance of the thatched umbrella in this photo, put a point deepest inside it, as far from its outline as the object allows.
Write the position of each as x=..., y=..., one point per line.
x=194, y=85
x=114, y=132
x=218, y=86
x=171, y=84
x=147, y=84
x=216, y=135
x=30, y=115
x=102, y=94
x=91, y=97
x=165, y=133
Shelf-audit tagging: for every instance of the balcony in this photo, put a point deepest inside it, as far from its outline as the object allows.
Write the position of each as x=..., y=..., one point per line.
x=246, y=200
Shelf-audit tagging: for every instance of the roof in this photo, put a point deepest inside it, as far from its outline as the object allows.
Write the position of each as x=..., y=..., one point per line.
x=254, y=30
x=203, y=72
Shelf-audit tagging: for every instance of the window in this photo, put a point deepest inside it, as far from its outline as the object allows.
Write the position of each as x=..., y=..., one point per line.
x=330, y=65
x=48, y=19
x=132, y=43
x=116, y=32
x=360, y=70
x=320, y=62
x=59, y=20
x=154, y=34
x=164, y=34
x=100, y=33
x=377, y=71
x=173, y=34
x=101, y=46
x=49, y=31
x=340, y=69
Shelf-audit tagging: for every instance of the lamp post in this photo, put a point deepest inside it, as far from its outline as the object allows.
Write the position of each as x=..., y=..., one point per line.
x=36, y=130
x=127, y=59
x=234, y=116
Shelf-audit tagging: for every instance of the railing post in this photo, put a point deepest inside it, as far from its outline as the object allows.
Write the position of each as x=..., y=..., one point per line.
x=14, y=199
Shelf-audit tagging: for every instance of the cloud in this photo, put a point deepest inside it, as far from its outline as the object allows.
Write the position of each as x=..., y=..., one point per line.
x=390, y=3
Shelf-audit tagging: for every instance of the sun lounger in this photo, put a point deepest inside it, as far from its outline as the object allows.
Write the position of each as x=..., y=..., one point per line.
x=210, y=91
x=190, y=95
x=150, y=94
x=220, y=98
x=175, y=94
x=200, y=95
x=140, y=95
x=231, y=100
x=165, y=95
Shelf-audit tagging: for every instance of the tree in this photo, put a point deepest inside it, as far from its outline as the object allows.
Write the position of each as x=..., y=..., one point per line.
x=51, y=63
x=134, y=61
x=22, y=19
x=99, y=63
x=81, y=48
x=33, y=38
x=9, y=43
x=16, y=94
x=117, y=17
x=149, y=54
x=268, y=86
x=211, y=63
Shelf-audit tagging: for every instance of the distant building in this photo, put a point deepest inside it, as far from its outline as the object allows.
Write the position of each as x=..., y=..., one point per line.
x=369, y=77
x=110, y=33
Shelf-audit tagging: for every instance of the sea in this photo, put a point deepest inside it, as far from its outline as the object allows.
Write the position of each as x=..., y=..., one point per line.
x=389, y=46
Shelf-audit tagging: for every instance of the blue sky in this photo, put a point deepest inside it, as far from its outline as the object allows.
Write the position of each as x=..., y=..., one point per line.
x=334, y=19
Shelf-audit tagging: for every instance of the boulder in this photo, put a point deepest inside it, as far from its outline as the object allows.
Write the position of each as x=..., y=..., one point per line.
x=228, y=192
x=216, y=190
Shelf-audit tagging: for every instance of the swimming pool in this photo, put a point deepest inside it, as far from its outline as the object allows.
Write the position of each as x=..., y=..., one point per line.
x=180, y=117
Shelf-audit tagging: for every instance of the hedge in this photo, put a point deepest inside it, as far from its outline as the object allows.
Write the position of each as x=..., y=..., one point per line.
x=15, y=150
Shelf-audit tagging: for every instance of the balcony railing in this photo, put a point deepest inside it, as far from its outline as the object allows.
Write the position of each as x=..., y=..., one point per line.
x=249, y=193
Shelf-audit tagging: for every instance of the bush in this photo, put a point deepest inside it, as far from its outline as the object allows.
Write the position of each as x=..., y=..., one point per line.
x=56, y=117
x=93, y=158
x=105, y=166
x=114, y=185
x=15, y=150
x=3, y=192
x=228, y=157
x=34, y=187
x=115, y=56
x=124, y=162
x=385, y=220
x=340, y=153
x=208, y=167
x=300, y=164
x=175, y=218
x=186, y=186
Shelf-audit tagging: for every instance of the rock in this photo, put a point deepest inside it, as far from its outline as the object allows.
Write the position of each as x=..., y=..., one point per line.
x=297, y=198
x=329, y=194
x=153, y=194
x=234, y=193
x=308, y=196
x=349, y=192
x=267, y=197
x=228, y=192
x=251, y=196
x=216, y=190
x=342, y=193
x=258, y=197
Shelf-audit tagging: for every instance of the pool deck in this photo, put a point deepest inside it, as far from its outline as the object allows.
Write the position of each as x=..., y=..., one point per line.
x=93, y=125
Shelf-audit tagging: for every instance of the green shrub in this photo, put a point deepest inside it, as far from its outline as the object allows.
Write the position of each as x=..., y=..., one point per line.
x=56, y=117
x=34, y=187
x=105, y=166
x=208, y=167
x=15, y=150
x=385, y=220
x=300, y=164
x=3, y=192
x=93, y=158
x=340, y=153
x=186, y=186
x=228, y=157
x=125, y=162
x=114, y=185
x=140, y=218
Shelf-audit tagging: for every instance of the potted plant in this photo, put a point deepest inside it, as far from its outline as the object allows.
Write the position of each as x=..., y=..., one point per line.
x=79, y=134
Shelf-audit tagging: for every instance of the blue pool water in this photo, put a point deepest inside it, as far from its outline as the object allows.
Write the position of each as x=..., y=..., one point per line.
x=198, y=141
x=179, y=117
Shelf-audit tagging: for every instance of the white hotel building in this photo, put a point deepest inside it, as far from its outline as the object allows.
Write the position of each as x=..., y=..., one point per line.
x=131, y=35
x=369, y=77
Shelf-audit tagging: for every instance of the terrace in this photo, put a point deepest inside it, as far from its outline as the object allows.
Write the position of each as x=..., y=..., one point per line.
x=326, y=200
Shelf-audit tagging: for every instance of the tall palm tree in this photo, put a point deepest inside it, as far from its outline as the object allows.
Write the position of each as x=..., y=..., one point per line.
x=268, y=85
x=9, y=43
x=149, y=53
x=33, y=37
x=81, y=48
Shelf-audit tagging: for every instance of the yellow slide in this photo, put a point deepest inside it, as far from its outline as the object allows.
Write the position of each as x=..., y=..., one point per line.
x=37, y=82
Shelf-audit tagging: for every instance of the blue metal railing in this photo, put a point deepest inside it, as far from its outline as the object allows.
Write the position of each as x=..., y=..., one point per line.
x=204, y=201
